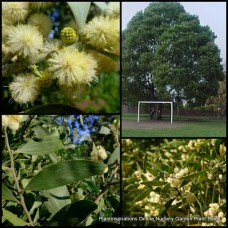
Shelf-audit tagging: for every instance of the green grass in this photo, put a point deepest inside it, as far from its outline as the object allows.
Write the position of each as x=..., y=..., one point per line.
x=194, y=127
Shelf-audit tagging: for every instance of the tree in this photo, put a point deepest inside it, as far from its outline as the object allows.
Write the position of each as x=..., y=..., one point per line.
x=168, y=55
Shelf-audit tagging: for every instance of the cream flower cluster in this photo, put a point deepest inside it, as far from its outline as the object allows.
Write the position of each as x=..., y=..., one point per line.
x=25, y=40
x=99, y=154
x=11, y=121
x=154, y=198
x=152, y=211
x=213, y=211
x=175, y=179
x=25, y=30
x=71, y=67
x=103, y=33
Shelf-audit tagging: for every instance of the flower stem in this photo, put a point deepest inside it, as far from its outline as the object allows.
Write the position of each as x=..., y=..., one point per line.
x=22, y=201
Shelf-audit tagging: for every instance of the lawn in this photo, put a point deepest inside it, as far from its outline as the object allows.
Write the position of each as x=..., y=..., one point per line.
x=183, y=126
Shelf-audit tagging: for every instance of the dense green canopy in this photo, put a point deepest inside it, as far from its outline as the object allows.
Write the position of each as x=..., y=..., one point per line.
x=168, y=55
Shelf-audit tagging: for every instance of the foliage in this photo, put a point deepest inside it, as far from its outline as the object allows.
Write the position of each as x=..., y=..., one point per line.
x=219, y=101
x=62, y=53
x=48, y=178
x=176, y=182
x=168, y=55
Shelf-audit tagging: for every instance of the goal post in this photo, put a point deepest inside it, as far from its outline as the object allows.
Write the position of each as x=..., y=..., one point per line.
x=157, y=102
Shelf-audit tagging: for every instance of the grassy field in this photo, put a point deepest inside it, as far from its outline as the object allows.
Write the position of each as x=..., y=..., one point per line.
x=184, y=126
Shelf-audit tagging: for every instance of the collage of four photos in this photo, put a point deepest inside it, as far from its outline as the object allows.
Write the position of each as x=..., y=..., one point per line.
x=113, y=114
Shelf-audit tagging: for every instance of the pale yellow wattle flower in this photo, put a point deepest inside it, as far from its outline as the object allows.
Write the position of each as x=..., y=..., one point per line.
x=24, y=89
x=42, y=22
x=113, y=9
x=103, y=33
x=72, y=67
x=15, y=11
x=25, y=40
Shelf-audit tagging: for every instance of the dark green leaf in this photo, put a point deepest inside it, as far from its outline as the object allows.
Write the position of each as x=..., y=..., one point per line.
x=73, y=214
x=142, y=195
x=7, y=195
x=64, y=173
x=194, y=175
x=49, y=144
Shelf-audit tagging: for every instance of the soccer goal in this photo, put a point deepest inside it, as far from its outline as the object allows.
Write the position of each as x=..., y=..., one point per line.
x=157, y=102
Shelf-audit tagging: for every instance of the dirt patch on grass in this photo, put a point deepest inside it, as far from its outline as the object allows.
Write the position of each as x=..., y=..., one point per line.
x=151, y=124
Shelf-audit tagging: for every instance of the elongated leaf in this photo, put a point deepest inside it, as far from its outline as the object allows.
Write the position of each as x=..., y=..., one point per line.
x=7, y=195
x=12, y=218
x=154, y=183
x=57, y=198
x=194, y=175
x=104, y=130
x=49, y=144
x=54, y=108
x=80, y=11
x=142, y=195
x=101, y=5
x=64, y=173
x=73, y=214
x=115, y=156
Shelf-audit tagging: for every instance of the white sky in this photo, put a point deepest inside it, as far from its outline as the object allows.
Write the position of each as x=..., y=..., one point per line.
x=212, y=14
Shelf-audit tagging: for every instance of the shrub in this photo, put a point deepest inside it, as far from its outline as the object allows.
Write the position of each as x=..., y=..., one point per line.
x=174, y=182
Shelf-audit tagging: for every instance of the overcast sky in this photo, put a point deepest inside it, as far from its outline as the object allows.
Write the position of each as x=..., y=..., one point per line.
x=212, y=14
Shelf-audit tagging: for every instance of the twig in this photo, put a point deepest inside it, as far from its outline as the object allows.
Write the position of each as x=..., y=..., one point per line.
x=105, y=189
x=22, y=201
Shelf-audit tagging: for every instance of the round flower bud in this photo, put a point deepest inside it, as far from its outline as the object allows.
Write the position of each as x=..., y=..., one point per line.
x=46, y=79
x=68, y=35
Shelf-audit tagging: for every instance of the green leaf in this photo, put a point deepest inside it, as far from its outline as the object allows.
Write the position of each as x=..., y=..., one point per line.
x=101, y=5
x=12, y=218
x=7, y=195
x=80, y=11
x=115, y=156
x=143, y=195
x=54, y=108
x=165, y=188
x=93, y=186
x=49, y=144
x=63, y=173
x=40, y=132
x=153, y=183
x=104, y=130
x=57, y=198
x=194, y=175
x=73, y=214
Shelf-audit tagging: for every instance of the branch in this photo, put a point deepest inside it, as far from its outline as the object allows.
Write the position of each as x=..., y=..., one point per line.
x=22, y=201
x=110, y=183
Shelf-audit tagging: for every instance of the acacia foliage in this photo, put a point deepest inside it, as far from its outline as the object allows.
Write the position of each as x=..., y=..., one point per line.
x=174, y=178
x=167, y=54
x=55, y=176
